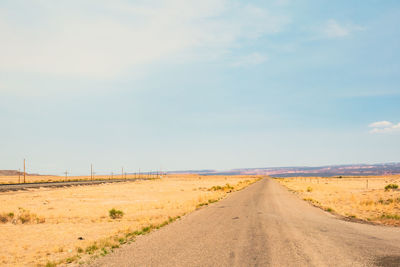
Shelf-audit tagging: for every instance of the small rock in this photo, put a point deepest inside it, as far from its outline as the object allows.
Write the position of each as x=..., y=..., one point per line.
x=81, y=238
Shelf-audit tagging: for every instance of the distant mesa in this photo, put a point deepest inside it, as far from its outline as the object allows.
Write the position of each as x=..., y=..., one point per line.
x=321, y=171
x=15, y=173
x=324, y=171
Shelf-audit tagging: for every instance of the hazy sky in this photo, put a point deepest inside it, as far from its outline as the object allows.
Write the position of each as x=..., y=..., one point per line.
x=213, y=84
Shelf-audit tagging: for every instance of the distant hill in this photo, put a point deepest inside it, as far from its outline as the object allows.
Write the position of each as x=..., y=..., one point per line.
x=14, y=173
x=325, y=171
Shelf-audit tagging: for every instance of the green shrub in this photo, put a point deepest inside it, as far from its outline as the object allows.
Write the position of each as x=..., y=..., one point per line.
x=391, y=186
x=313, y=201
x=329, y=209
x=309, y=189
x=51, y=264
x=91, y=249
x=391, y=216
x=115, y=214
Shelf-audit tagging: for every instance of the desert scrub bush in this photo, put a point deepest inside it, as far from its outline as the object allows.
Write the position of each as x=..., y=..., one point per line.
x=215, y=188
x=313, y=201
x=72, y=259
x=366, y=202
x=91, y=249
x=227, y=187
x=23, y=216
x=329, y=209
x=391, y=216
x=6, y=217
x=385, y=202
x=201, y=205
x=104, y=252
x=115, y=214
x=51, y=264
x=391, y=186
x=309, y=189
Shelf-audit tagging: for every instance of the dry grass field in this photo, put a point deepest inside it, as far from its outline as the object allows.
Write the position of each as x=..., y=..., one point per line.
x=52, y=226
x=362, y=198
x=15, y=179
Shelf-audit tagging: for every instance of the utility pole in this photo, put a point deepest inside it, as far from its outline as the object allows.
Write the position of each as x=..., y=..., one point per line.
x=24, y=171
x=19, y=176
x=122, y=177
x=91, y=171
x=66, y=175
x=112, y=175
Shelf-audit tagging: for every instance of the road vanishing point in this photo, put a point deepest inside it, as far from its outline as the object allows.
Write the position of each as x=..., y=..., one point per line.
x=262, y=225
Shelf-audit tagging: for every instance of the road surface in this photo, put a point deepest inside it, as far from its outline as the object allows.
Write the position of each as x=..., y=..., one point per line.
x=262, y=225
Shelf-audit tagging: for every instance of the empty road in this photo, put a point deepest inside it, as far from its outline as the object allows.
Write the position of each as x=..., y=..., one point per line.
x=262, y=225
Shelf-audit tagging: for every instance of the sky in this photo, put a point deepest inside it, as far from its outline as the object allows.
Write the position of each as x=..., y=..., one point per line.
x=211, y=84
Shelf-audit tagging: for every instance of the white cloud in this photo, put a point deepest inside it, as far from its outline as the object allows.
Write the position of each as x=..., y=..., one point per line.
x=79, y=40
x=384, y=127
x=251, y=59
x=381, y=124
x=332, y=29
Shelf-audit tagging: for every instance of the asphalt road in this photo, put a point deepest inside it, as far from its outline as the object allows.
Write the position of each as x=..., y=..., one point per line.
x=262, y=225
x=16, y=187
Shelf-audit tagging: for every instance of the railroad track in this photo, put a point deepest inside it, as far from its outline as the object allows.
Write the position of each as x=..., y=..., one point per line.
x=16, y=187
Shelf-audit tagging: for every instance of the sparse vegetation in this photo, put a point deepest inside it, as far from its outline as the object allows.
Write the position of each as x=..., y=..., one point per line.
x=51, y=264
x=391, y=186
x=115, y=214
x=329, y=209
x=23, y=217
x=147, y=206
x=313, y=201
x=91, y=249
x=226, y=187
x=375, y=199
x=391, y=216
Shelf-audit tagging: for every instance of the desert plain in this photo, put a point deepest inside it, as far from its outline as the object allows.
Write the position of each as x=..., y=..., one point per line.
x=362, y=199
x=56, y=226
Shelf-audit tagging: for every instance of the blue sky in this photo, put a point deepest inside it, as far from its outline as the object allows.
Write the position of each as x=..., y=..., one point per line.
x=209, y=84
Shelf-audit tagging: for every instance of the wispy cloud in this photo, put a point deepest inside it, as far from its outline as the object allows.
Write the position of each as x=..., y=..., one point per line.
x=334, y=29
x=251, y=59
x=384, y=127
x=77, y=39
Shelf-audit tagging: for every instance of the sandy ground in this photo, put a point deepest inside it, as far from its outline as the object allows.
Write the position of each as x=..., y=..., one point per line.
x=83, y=211
x=358, y=197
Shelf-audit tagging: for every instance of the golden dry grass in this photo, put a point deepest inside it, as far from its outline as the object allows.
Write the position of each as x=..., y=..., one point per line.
x=363, y=198
x=83, y=211
x=15, y=179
